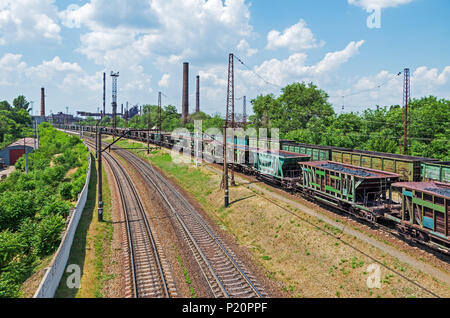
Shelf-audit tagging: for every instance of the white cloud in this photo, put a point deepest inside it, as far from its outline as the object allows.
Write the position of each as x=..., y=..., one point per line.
x=381, y=4
x=12, y=69
x=244, y=48
x=49, y=69
x=163, y=29
x=276, y=72
x=333, y=60
x=294, y=68
x=28, y=21
x=296, y=38
x=386, y=88
x=164, y=82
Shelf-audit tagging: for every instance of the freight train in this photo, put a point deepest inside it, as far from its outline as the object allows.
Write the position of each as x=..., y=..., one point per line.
x=410, y=193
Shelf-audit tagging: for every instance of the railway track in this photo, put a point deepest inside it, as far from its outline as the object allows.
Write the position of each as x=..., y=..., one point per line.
x=225, y=274
x=149, y=273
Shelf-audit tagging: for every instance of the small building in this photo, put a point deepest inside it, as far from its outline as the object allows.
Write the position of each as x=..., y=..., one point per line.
x=10, y=154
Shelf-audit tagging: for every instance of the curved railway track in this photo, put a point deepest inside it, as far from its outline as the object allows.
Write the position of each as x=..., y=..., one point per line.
x=149, y=273
x=226, y=276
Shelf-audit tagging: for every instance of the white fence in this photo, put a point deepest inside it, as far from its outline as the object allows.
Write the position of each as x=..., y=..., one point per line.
x=55, y=271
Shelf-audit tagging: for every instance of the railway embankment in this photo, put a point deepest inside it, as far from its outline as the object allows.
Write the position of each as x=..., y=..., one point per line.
x=301, y=253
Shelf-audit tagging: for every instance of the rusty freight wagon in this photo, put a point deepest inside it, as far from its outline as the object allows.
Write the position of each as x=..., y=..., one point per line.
x=362, y=192
x=408, y=167
x=423, y=212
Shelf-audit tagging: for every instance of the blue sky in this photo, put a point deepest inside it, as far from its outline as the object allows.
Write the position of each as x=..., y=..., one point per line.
x=66, y=45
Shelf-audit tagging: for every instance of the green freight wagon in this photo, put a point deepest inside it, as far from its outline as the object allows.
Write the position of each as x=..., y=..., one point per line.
x=436, y=171
x=264, y=143
x=317, y=153
x=424, y=211
x=407, y=166
x=278, y=165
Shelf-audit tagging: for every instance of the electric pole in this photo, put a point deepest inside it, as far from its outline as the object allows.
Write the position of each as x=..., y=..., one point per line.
x=160, y=119
x=149, y=109
x=114, y=101
x=229, y=120
x=406, y=98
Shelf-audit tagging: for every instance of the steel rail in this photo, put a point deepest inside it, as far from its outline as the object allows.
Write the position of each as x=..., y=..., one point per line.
x=130, y=157
x=141, y=211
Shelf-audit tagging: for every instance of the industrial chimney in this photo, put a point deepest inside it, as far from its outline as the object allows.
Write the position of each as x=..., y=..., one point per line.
x=42, y=101
x=185, y=101
x=197, y=96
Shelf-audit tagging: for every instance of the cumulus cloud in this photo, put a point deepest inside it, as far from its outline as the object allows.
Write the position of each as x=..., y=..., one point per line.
x=294, y=68
x=12, y=68
x=378, y=4
x=296, y=38
x=164, y=29
x=244, y=48
x=271, y=75
x=164, y=82
x=28, y=21
x=386, y=88
x=49, y=69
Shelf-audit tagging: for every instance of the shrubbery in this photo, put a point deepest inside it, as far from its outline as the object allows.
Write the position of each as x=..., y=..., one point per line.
x=34, y=206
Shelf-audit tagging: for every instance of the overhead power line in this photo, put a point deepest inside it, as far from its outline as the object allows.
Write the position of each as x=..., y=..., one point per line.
x=366, y=90
x=259, y=76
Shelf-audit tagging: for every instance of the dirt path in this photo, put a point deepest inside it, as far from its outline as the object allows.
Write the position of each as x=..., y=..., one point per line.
x=426, y=268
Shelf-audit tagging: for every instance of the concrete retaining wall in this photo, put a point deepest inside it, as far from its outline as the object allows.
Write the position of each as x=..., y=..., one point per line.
x=55, y=271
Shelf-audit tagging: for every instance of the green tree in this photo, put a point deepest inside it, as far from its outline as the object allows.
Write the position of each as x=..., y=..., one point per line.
x=20, y=102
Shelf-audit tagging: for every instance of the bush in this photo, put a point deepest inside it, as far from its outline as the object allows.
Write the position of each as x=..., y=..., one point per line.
x=48, y=234
x=60, y=208
x=15, y=207
x=65, y=191
x=11, y=244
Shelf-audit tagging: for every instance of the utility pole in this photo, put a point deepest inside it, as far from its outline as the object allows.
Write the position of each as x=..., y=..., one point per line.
x=229, y=120
x=26, y=155
x=148, y=128
x=104, y=96
x=406, y=98
x=160, y=119
x=244, y=111
x=126, y=116
x=37, y=134
x=99, y=172
x=114, y=101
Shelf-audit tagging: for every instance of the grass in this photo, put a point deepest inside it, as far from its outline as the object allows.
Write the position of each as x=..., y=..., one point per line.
x=91, y=245
x=186, y=274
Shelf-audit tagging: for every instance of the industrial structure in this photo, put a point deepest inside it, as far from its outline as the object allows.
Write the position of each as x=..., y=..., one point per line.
x=114, y=96
x=42, y=101
x=197, y=95
x=10, y=154
x=185, y=98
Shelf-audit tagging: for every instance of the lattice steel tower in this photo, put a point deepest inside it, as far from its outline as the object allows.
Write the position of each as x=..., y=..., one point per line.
x=114, y=96
x=229, y=122
x=406, y=100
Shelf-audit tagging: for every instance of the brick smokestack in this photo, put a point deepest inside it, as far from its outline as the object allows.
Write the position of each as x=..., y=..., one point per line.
x=42, y=101
x=197, y=96
x=185, y=101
